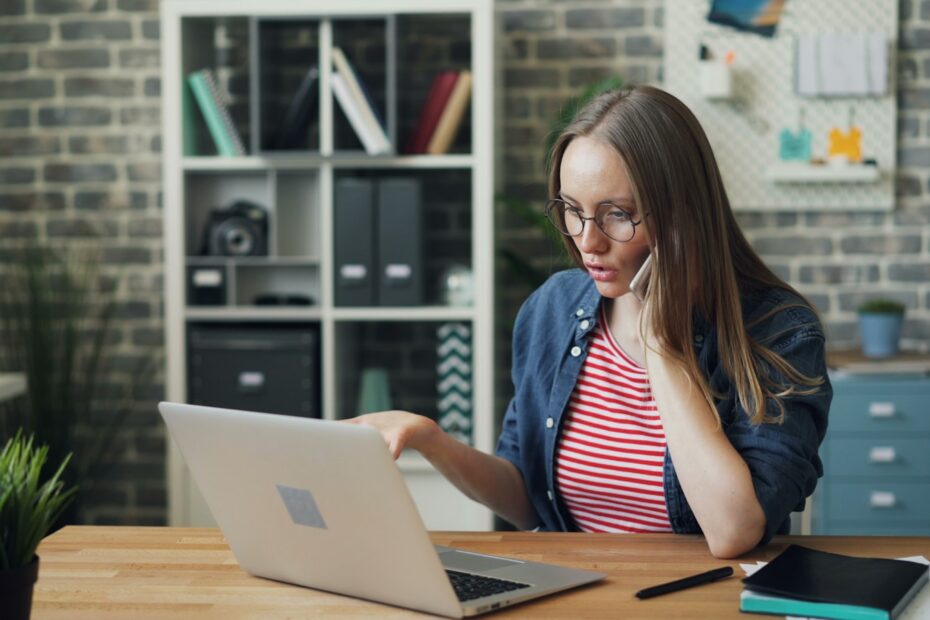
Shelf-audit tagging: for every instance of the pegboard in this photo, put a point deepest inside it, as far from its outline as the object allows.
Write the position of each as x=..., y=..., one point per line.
x=744, y=130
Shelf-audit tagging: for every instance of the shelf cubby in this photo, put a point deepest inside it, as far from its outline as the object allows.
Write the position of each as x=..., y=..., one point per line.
x=222, y=45
x=288, y=86
x=445, y=234
x=405, y=351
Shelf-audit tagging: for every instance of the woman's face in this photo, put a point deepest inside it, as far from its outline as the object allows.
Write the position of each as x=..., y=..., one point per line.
x=593, y=174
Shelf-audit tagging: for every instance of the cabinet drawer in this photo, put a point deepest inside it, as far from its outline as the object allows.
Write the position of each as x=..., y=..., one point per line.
x=878, y=411
x=877, y=456
x=872, y=528
x=877, y=501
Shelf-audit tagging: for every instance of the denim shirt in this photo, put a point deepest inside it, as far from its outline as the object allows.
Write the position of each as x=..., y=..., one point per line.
x=550, y=344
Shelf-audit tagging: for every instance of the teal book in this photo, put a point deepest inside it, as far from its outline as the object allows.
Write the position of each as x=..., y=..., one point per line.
x=750, y=602
x=188, y=121
x=807, y=582
x=215, y=113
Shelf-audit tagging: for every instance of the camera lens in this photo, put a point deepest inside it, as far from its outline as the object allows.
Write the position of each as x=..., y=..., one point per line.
x=238, y=242
x=241, y=229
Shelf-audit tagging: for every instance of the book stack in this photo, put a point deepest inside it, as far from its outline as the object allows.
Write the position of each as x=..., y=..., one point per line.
x=807, y=582
x=214, y=107
x=442, y=113
x=355, y=101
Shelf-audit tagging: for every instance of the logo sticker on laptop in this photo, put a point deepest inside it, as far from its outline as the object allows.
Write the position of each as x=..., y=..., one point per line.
x=301, y=506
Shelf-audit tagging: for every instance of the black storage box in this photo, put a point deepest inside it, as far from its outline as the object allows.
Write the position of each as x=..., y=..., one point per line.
x=206, y=285
x=267, y=368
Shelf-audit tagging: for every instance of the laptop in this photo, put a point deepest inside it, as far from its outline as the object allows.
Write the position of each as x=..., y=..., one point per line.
x=322, y=504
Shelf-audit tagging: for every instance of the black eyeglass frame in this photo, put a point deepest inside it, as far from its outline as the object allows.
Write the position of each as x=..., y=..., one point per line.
x=556, y=205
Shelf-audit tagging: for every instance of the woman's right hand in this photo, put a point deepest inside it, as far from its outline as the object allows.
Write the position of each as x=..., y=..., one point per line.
x=400, y=429
x=485, y=478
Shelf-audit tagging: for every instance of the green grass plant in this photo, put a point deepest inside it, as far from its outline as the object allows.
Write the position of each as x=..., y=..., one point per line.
x=29, y=506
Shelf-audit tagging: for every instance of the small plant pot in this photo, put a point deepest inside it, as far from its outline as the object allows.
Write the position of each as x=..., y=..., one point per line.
x=16, y=586
x=880, y=333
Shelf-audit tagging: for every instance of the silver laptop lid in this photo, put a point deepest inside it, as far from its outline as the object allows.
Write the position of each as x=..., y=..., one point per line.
x=266, y=478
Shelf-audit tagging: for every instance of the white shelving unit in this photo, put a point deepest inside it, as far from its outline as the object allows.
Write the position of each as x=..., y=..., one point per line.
x=297, y=187
x=801, y=172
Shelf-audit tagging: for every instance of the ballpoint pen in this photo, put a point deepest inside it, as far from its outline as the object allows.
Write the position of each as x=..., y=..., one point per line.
x=687, y=582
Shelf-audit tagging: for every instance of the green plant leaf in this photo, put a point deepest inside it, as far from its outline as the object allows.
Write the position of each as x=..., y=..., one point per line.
x=28, y=506
x=56, y=327
x=522, y=270
x=881, y=305
x=532, y=215
x=532, y=212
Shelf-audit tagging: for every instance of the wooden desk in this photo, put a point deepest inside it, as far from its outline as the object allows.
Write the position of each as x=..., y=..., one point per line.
x=145, y=572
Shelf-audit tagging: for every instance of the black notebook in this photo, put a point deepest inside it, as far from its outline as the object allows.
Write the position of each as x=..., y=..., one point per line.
x=806, y=582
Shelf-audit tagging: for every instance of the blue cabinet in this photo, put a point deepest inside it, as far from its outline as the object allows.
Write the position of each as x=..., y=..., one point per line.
x=876, y=457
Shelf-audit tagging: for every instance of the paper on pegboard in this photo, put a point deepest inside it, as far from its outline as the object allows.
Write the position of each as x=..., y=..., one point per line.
x=744, y=132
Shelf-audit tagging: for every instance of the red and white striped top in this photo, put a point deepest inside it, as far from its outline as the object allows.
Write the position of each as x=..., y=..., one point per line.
x=612, y=445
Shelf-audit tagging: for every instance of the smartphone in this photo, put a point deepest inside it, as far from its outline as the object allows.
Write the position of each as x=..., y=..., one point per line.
x=640, y=282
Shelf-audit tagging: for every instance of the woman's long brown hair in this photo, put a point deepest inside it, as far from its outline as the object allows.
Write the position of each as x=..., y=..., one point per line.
x=703, y=261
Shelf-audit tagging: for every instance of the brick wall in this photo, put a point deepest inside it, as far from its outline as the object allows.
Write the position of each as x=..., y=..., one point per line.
x=837, y=259
x=80, y=120
x=549, y=52
x=79, y=164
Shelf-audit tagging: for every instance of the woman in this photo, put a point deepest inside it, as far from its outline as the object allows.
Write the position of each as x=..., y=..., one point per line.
x=698, y=409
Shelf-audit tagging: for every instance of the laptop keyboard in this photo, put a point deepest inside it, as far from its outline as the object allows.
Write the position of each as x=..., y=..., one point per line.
x=469, y=587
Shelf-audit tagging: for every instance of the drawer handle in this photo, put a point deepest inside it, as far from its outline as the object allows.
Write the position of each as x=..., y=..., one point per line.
x=882, y=454
x=881, y=410
x=882, y=499
x=251, y=381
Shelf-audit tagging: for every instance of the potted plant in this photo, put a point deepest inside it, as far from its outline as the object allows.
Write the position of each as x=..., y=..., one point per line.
x=56, y=327
x=28, y=509
x=523, y=268
x=880, y=322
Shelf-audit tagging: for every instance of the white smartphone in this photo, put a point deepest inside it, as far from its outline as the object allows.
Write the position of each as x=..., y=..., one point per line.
x=640, y=282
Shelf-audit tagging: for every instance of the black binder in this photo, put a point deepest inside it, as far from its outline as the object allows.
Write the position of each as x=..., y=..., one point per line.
x=400, y=243
x=354, y=224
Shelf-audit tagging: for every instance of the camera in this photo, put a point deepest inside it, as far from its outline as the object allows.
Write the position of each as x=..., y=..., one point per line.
x=239, y=229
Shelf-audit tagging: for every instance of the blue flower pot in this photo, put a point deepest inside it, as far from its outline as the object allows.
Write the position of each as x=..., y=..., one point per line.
x=880, y=334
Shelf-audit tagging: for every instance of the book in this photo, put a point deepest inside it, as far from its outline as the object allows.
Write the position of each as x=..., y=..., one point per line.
x=297, y=118
x=352, y=111
x=215, y=112
x=436, y=98
x=452, y=114
x=807, y=582
x=189, y=120
x=362, y=102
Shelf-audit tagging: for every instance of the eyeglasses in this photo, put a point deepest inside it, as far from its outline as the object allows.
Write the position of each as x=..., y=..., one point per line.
x=613, y=221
